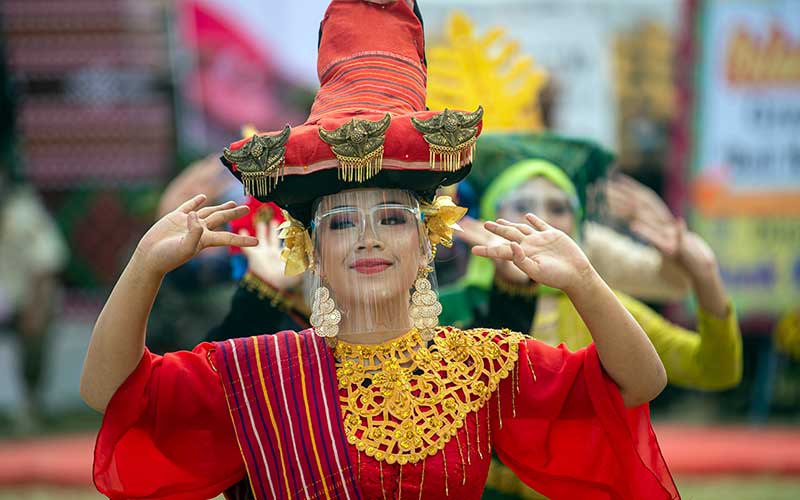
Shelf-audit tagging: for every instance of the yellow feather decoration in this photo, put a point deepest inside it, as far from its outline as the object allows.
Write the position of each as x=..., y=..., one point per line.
x=466, y=69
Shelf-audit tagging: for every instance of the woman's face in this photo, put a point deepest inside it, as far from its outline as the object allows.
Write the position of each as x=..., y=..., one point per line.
x=368, y=245
x=543, y=198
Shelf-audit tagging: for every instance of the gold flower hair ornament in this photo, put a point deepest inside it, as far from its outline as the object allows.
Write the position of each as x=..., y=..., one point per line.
x=441, y=220
x=298, y=251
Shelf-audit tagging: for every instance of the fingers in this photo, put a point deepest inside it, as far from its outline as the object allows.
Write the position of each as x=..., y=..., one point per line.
x=654, y=205
x=508, y=232
x=681, y=231
x=620, y=205
x=628, y=199
x=664, y=241
x=195, y=230
x=630, y=187
x=227, y=239
x=536, y=222
x=493, y=252
x=523, y=228
x=473, y=232
x=261, y=232
x=246, y=250
x=523, y=262
x=192, y=204
x=627, y=184
x=222, y=217
x=206, y=211
x=274, y=239
x=643, y=195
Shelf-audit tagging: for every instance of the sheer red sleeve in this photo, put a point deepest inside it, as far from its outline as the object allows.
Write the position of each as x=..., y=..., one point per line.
x=167, y=432
x=567, y=433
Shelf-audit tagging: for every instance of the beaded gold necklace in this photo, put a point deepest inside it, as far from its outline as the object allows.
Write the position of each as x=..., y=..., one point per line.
x=405, y=399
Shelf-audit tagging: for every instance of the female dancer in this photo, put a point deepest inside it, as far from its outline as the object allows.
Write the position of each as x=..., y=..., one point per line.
x=376, y=400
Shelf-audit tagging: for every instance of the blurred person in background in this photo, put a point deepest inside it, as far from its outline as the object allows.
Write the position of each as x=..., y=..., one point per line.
x=494, y=292
x=711, y=360
x=32, y=254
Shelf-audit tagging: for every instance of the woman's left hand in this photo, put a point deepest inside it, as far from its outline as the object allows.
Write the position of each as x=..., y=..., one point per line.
x=547, y=255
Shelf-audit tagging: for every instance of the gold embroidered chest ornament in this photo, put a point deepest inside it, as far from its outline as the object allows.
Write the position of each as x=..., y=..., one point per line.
x=404, y=400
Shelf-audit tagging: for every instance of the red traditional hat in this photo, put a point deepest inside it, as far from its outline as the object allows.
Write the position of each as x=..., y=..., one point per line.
x=368, y=126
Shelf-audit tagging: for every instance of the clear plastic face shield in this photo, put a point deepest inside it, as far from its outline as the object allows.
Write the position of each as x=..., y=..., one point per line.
x=372, y=277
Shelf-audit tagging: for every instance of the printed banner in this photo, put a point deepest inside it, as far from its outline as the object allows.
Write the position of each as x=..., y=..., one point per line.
x=745, y=181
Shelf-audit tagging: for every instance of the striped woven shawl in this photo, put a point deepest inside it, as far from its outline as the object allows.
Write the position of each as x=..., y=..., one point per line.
x=283, y=399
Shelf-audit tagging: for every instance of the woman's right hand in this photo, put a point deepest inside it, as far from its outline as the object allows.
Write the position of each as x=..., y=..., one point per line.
x=184, y=232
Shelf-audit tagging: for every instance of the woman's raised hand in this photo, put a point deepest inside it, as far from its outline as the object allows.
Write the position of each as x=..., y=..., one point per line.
x=184, y=232
x=651, y=220
x=547, y=255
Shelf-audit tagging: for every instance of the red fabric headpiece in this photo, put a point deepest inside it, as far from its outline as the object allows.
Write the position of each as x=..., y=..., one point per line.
x=368, y=123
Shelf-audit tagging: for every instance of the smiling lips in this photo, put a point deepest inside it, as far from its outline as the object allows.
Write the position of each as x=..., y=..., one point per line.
x=370, y=266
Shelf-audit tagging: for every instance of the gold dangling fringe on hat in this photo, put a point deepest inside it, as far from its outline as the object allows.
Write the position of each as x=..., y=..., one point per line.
x=358, y=146
x=260, y=161
x=450, y=159
x=450, y=136
x=355, y=169
x=260, y=184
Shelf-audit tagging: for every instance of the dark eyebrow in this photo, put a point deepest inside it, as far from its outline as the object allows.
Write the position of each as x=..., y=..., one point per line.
x=376, y=205
x=388, y=203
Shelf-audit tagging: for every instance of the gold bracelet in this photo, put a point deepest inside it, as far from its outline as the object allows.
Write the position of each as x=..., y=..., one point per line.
x=253, y=283
x=527, y=290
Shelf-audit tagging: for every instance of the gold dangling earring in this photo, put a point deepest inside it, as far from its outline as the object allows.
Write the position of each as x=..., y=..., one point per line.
x=425, y=306
x=325, y=317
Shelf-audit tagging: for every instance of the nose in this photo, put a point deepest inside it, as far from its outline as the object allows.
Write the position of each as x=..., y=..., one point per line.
x=368, y=239
x=367, y=242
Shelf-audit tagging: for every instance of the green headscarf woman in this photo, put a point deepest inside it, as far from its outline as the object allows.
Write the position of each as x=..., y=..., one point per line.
x=710, y=358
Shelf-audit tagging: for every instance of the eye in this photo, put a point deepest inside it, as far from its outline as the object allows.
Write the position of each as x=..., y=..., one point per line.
x=342, y=221
x=559, y=207
x=392, y=216
x=519, y=206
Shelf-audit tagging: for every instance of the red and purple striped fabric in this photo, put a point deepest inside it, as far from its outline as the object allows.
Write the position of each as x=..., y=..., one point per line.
x=379, y=82
x=282, y=395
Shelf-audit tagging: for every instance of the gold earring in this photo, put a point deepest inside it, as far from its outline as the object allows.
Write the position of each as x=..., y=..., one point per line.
x=325, y=317
x=425, y=306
